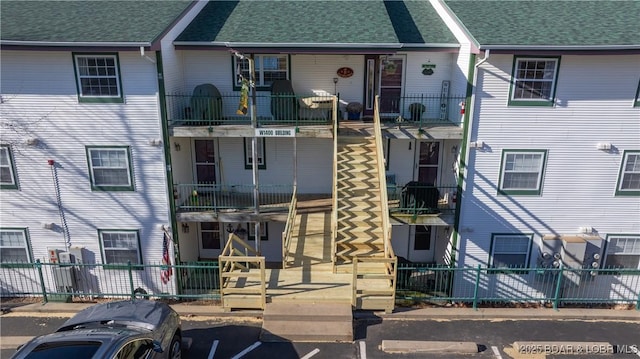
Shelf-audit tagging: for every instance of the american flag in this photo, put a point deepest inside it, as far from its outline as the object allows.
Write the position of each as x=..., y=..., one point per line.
x=166, y=272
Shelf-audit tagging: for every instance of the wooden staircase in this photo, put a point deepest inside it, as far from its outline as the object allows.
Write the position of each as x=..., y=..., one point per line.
x=359, y=231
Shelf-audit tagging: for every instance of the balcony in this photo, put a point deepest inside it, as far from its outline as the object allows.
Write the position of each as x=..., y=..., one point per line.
x=422, y=204
x=292, y=110
x=229, y=198
x=422, y=110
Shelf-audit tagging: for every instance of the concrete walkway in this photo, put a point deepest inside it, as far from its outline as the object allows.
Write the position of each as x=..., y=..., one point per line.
x=211, y=311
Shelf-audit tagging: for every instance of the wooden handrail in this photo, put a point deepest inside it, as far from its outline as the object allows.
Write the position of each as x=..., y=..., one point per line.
x=239, y=255
x=288, y=228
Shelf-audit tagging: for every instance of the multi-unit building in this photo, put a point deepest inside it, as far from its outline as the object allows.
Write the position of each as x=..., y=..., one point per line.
x=439, y=132
x=553, y=139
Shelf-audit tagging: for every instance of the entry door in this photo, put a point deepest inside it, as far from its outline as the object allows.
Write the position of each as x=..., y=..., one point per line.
x=209, y=240
x=428, y=162
x=423, y=244
x=204, y=161
x=384, y=77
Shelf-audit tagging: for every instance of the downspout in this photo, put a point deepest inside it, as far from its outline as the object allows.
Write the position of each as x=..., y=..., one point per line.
x=167, y=158
x=470, y=96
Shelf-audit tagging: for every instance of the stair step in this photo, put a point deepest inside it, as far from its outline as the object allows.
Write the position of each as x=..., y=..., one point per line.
x=307, y=322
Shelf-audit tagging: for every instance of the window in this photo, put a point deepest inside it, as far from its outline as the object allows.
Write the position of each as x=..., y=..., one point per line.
x=120, y=246
x=510, y=250
x=136, y=349
x=7, y=170
x=422, y=238
x=534, y=81
x=636, y=102
x=248, y=154
x=263, y=231
x=210, y=234
x=623, y=251
x=521, y=172
x=268, y=69
x=98, y=78
x=110, y=168
x=14, y=246
x=629, y=177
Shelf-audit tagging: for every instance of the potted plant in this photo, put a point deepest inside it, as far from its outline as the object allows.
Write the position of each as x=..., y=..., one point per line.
x=353, y=110
x=416, y=110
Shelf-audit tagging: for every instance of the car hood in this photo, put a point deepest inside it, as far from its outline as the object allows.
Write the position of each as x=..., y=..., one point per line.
x=140, y=313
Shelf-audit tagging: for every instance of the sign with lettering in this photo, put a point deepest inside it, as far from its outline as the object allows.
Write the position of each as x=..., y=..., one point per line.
x=275, y=132
x=345, y=72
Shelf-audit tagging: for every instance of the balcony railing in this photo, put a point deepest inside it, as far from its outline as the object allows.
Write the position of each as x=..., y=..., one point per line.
x=219, y=197
x=188, y=110
x=416, y=199
x=422, y=109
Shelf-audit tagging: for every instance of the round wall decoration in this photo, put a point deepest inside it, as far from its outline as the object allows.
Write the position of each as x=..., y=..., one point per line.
x=345, y=72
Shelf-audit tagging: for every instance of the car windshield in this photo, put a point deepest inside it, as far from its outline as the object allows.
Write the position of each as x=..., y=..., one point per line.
x=65, y=350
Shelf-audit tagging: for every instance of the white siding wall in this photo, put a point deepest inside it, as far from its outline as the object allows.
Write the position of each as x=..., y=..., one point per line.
x=580, y=181
x=172, y=59
x=314, y=172
x=39, y=94
x=417, y=83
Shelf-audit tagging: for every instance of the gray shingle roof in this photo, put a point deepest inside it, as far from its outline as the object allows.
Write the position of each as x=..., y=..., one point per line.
x=319, y=22
x=560, y=23
x=87, y=21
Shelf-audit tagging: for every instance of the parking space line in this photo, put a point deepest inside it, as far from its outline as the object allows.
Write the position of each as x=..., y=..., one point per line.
x=496, y=352
x=248, y=349
x=311, y=353
x=212, y=352
x=363, y=349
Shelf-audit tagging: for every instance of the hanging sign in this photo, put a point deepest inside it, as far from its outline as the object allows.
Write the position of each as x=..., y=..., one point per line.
x=275, y=132
x=345, y=72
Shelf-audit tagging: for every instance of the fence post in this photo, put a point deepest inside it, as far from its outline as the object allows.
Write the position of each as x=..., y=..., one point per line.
x=42, y=286
x=475, y=289
x=556, y=298
x=133, y=294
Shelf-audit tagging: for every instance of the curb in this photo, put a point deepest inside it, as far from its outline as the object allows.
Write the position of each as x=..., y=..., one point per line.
x=411, y=346
x=206, y=311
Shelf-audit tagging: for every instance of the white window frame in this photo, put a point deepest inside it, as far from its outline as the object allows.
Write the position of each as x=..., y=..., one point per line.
x=126, y=165
x=497, y=248
x=131, y=236
x=113, y=73
x=6, y=156
x=505, y=170
x=525, y=78
x=248, y=153
x=241, y=67
x=629, y=247
x=628, y=169
x=22, y=234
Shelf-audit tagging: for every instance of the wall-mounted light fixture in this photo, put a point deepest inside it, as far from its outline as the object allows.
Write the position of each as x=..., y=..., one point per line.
x=32, y=141
x=48, y=225
x=603, y=146
x=185, y=228
x=176, y=146
x=454, y=149
x=476, y=144
x=229, y=228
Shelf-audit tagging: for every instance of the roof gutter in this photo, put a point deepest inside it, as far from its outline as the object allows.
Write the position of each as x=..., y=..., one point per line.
x=74, y=44
x=560, y=47
x=285, y=44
